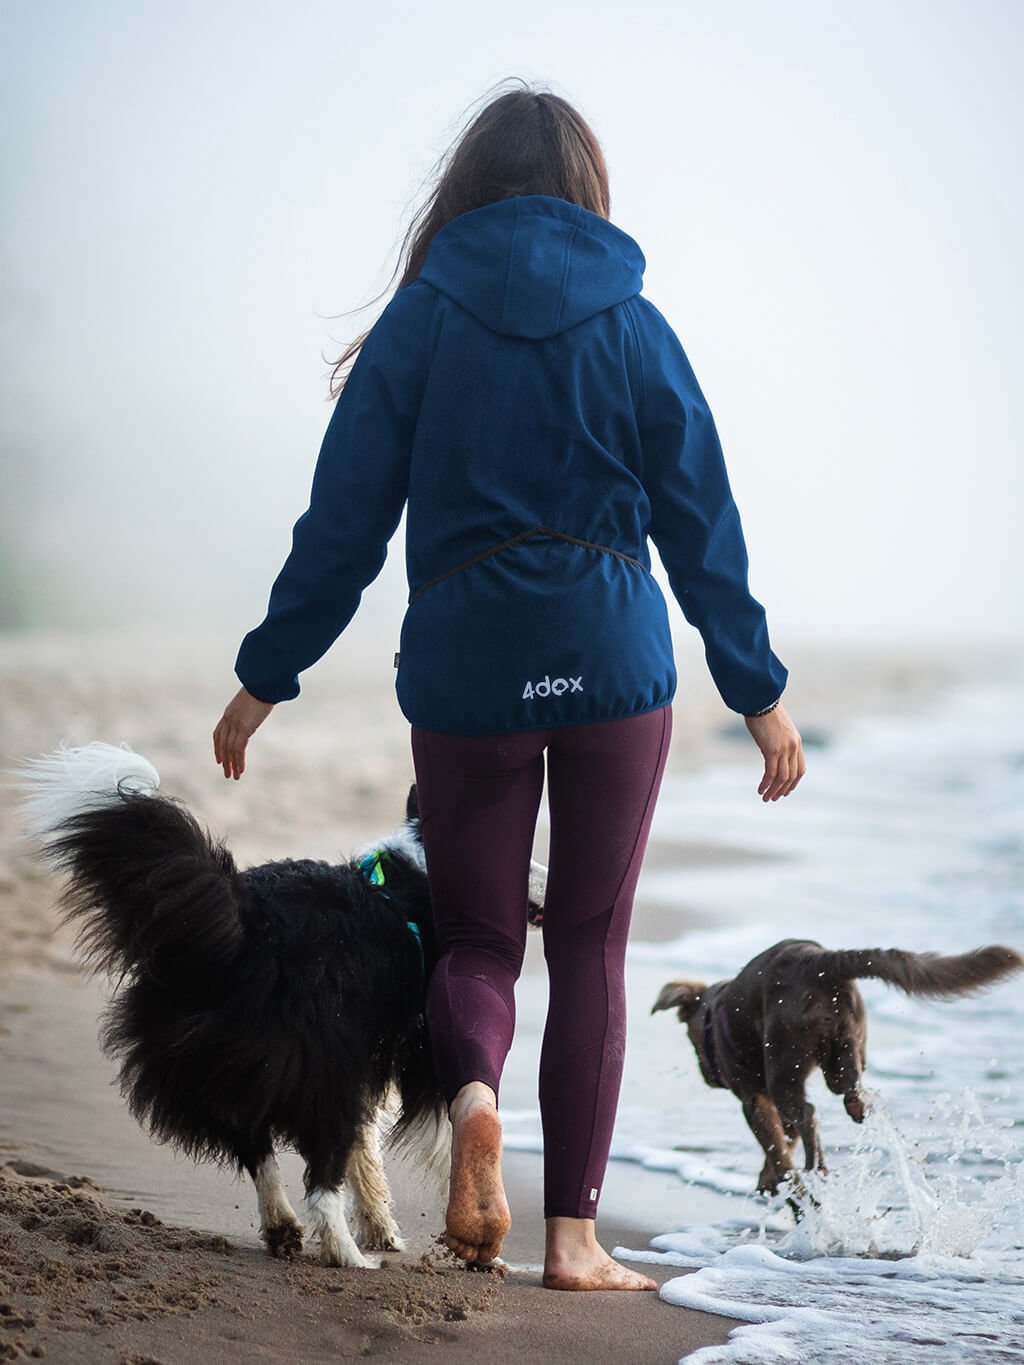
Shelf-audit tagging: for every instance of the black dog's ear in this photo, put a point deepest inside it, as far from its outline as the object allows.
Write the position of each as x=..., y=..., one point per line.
x=686, y=996
x=412, y=805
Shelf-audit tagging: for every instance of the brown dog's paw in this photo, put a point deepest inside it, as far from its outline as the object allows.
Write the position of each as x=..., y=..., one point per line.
x=855, y=1106
x=768, y=1181
x=799, y=1196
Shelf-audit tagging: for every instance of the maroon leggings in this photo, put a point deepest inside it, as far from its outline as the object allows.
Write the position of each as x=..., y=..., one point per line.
x=478, y=800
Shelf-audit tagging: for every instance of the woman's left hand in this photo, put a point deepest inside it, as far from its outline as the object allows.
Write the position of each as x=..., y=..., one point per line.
x=243, y=716
x=780, y=743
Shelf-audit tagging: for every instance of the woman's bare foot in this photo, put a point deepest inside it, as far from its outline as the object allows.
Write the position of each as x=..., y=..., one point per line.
x=478, y=1217
x=575, y=1260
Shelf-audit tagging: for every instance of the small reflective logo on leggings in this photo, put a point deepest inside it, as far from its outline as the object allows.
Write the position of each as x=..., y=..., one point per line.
x=552, y=687
x=593, y=1194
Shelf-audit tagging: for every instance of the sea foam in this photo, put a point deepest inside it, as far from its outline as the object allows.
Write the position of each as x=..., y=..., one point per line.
x=908, y=832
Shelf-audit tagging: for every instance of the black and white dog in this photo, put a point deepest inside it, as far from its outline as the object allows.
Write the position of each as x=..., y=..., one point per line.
x=280, y=1005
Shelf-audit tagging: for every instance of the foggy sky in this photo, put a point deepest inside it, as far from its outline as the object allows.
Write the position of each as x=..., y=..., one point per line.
x=829, y=201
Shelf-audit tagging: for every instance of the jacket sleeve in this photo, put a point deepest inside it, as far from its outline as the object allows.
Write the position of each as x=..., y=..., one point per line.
x=694, y=520
x=359, y=489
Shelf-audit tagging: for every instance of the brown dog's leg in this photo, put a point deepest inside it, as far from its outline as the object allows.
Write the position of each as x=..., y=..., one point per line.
x=813, y=1150
x=798, y=1113
x=766, y=1125
x=792, y=1137
x=842, y=1064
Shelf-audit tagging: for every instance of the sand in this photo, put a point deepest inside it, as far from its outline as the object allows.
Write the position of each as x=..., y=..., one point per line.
x=112, y=1249
x=84, y=1281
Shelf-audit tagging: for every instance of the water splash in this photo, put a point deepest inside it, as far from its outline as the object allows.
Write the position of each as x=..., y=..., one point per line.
x=889, y=1195
x=908, y=1249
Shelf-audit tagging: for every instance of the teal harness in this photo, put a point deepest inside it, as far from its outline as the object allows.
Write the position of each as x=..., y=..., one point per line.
x=372, y=868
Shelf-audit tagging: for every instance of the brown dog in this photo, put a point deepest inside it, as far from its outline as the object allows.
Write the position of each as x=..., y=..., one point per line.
x=795, y=1007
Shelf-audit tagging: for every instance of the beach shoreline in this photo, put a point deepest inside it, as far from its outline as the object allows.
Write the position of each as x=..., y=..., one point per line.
x=315, y=789
x=125, y=1248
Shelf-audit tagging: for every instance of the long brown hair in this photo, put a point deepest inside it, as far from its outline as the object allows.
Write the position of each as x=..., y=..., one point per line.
x=525, y=141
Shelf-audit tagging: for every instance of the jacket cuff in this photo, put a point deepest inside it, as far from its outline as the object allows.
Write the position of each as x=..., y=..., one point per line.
x=260, y=679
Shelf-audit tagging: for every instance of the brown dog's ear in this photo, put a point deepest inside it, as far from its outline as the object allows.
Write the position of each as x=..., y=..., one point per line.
x=686, y=996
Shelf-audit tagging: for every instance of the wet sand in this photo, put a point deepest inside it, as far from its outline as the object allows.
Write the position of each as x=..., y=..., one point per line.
x=112, y=1248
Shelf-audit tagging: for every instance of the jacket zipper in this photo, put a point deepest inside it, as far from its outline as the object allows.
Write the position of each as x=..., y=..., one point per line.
x=545, y=531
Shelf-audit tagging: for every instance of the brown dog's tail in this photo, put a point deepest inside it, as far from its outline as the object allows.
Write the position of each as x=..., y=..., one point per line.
x=928, y=974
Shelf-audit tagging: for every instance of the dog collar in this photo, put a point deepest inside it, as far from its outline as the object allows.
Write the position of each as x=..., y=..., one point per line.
x=372, y=868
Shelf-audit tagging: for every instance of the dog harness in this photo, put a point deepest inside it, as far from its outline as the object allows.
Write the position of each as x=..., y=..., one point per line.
x=372, y=868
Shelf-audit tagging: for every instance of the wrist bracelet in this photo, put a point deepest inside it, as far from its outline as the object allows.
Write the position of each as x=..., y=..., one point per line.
x=765, y=712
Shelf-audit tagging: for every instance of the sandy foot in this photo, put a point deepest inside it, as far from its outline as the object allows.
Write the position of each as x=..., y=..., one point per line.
x=478, y=1215
x=597, y=1271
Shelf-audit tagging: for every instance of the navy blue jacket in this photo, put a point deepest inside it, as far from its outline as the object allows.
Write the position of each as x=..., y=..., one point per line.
x=541, y=421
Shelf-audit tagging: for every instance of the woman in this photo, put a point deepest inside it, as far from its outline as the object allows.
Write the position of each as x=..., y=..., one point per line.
x=539, y=420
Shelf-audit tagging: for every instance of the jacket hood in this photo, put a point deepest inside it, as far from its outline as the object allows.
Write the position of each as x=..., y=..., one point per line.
x=533, y=265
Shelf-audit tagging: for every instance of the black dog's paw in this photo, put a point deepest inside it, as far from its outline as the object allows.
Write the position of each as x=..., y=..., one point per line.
x=284, y=1242
x=377, y=1231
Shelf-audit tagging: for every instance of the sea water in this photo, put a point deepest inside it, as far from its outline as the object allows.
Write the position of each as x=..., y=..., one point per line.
x=908, y=832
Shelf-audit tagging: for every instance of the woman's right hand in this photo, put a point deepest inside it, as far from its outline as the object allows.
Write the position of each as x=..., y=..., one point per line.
x=779, y=741
x=243, y=715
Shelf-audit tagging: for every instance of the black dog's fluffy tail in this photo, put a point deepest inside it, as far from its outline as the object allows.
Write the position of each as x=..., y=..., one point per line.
x=927, y=974
x=148, y=888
